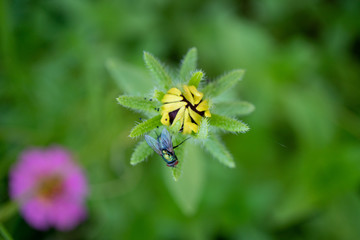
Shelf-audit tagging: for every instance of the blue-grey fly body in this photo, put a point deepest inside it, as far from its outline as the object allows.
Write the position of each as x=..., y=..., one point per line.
x=164, y=147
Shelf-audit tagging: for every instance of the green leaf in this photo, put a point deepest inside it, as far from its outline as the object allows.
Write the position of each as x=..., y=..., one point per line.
x=139, y=103
x=157, y=70
x=4, y=233
x=218, y=150
x=176, y=171
x=223, y=83
x=129, y=78
x=228, y=124
x=158, y=95
x=175, y=128
x=203, y=129
x=196, y=78
x=187, y=190
x=188, y=64
x=236, y=108
x=145, y=126
x=141, y=152
x=8, y=210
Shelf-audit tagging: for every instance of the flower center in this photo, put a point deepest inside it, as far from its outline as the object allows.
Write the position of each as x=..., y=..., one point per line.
x=188, y=107
x=50, y=187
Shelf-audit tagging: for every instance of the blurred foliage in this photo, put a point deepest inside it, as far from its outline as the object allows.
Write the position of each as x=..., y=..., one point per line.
x=298, y=169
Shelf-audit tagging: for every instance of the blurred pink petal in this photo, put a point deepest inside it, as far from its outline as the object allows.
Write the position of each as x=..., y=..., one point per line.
x=50, y=188
x=36, y=213
x=66, y=214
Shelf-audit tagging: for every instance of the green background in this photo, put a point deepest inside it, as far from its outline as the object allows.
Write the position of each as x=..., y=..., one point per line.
x=298, y=168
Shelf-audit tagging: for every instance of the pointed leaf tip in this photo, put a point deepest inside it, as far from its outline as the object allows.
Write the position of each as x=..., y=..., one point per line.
x=196, y=78
x=157, y=70
x=141, y=152
x=218, y=150
x=224, y=83
x=176, y=172
x=188, y=64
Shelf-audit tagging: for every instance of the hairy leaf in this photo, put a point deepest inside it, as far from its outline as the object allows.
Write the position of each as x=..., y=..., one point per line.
x=141, y=152
x=218, y=150
x=175, y=128
x=158, y=70
x=236, y=108
x=145, y=126
x=203, y=129
x=158, y=94
x=139, y=103
x=188, y=64
x=223, y=83
x=228, y=124
x=196, y=78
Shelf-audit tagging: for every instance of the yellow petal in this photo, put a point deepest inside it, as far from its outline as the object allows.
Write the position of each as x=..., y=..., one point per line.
x=171, y=98
x=174, y=91
x=207, y=113
x=197, y=95
x=194, y=91
x=188, y=95
x=196, y=117
x=165, y=120
x=186, y=129
x=190, y=127
x=194, y=127
x=203, y=106
x=186, y=115
x=169, y=107
x=179, y=115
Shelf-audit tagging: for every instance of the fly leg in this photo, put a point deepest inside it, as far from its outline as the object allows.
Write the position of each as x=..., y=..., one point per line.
x=181, y=143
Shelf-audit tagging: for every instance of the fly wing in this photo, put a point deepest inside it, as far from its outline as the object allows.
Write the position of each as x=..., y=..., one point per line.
x=153, y=143
x=166, y=142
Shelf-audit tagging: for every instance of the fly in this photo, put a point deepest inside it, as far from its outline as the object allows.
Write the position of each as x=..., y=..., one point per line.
x=164, y=147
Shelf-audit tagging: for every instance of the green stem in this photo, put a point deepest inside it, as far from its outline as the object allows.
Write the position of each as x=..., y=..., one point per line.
x=4, y=233
x=8, y=210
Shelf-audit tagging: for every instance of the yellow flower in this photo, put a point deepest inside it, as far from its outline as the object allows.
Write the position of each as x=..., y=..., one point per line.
x=187, y=106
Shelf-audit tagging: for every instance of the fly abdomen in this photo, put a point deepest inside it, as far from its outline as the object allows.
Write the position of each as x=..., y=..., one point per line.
x=169, y=158
x=173, y=163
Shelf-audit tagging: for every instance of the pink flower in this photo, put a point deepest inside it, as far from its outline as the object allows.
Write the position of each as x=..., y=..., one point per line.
x=50, y=188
